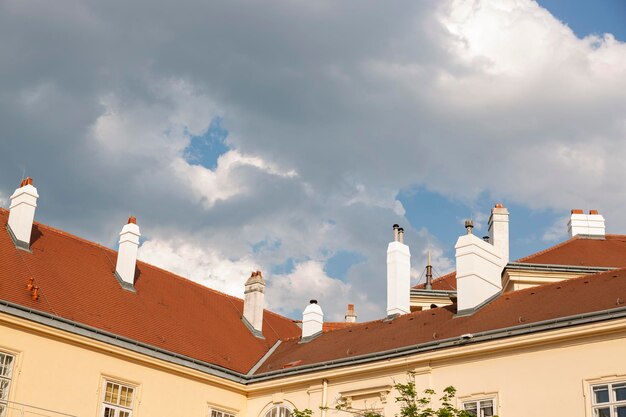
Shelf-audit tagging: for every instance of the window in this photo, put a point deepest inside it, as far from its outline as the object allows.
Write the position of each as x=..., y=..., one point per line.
x=609, y=400
x=479, y=408
x=220, y=413
x=118, y=400
x=279, y=411
x=6, y=373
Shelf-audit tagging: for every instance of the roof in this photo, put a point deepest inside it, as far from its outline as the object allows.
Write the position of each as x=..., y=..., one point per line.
x=609, y=252
x=581, y=295
x=76, y=282
x=584, y=251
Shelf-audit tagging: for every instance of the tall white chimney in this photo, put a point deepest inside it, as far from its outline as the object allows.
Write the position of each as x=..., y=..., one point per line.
x=312, y=320
x=254, y=302
x=127, y=253
x=398, y=274
x=591, y=224
x=499, y=230
x=479, y=268
x=22, y=212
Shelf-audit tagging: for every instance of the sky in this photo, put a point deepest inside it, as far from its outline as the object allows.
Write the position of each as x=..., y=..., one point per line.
x=289, y=136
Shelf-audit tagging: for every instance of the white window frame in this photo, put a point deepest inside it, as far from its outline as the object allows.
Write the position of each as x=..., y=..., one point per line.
x=476, y=398
x=612, y=402
x=281, y=411
x=119, y=407
x=7, y=368
x=479, y=409
x=220, y=412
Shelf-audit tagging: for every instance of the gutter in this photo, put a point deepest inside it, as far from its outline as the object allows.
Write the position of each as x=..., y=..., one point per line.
x=557, y=268
x=552, y=324
x=80, y=329
x=247, y=379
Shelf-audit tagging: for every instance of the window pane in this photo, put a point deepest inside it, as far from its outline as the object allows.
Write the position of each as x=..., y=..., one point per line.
x=4, y=388
x=602, y=412
x=124, y=414
x=620, y=391
x=287, y=412
x=215, y=413
x=486, y=408
x=601, y=394
x=471, y=408
x=620, y=411
x=109, y=412
x=6, y=365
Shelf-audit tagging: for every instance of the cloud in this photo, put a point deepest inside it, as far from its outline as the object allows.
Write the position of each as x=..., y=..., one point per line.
x=331, y=109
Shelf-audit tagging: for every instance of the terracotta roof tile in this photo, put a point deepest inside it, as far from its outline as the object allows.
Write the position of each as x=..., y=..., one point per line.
x=76, y=282
x=575, y=296
x=577, y=251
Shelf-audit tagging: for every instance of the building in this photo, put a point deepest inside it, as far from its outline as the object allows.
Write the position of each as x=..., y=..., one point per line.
x=87, y=331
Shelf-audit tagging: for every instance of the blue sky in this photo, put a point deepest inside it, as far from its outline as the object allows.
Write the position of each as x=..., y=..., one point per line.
x=587, y=17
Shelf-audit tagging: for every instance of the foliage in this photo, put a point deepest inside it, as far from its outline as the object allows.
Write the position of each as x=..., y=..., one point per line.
x=412, y=403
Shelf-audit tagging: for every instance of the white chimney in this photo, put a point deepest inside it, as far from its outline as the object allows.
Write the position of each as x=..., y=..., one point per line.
x=350, y=314
x=499, y=230
x=398, y=274
x=583, y=224
x=312, y=320
x=127, y=252
x=254, y=302
x=596, y=223
x=479, y=268
x=22, y=212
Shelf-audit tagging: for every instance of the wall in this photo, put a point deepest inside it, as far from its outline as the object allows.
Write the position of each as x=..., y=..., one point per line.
x=64, y=376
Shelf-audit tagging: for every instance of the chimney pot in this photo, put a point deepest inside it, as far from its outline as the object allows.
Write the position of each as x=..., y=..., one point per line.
x=22, y=213
x=254, y=302
x=577, y=211
x=312, y=320
x=499, y=205
x=350, y=316
x=398, y=275
x=593, y=212
x=127, y=252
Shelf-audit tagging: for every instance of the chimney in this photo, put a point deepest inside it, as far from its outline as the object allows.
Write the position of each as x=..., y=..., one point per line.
x=350, y=314
x=398, y=274
x=499, y=230
x=22, y=213
x=596, y=223
x=479, y=268
x=254, y=302
x=312, y=320
x=127, y=253
x=591, y=224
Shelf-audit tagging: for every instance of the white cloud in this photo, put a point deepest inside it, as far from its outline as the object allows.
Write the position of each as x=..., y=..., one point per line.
x=200, y=264
x=292, y=292
x=472, y=99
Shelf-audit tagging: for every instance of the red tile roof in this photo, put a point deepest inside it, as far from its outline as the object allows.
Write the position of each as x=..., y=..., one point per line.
x=586, y=294
x=577, y=251
x=584, y=251
x=76, y=282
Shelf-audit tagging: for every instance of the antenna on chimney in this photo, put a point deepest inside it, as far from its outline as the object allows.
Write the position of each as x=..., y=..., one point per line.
x=429, y=274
